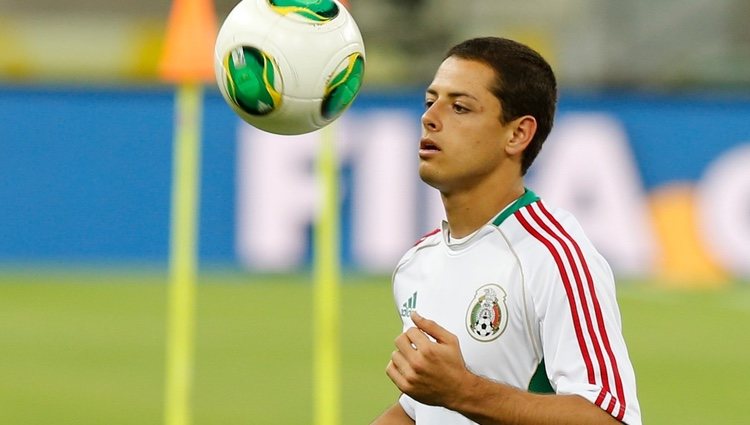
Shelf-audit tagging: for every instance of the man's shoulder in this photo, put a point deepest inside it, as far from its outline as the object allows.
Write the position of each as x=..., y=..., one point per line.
x=539, y=231
x=539, y=218
x=428, y=238
x=551, y=240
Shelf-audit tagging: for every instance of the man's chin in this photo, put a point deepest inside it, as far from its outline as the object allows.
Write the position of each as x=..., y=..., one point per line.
x=429, y=178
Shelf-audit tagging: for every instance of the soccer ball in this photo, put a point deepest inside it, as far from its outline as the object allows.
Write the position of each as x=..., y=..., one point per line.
x=289, y=66
x=483, y=326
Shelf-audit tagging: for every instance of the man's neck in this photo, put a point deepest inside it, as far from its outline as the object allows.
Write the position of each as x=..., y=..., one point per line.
x=467, y=211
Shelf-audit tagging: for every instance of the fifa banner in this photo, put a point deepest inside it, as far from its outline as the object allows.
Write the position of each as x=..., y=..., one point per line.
x=660, y=184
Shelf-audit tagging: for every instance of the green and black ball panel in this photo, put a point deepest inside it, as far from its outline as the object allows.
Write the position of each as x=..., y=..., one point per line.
x=253, y=80
x=343, y=87
x=315, y=11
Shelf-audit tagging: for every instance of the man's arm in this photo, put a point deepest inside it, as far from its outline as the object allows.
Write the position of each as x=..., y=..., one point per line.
x=395, y=415
x=487, y=402
x=434, y=373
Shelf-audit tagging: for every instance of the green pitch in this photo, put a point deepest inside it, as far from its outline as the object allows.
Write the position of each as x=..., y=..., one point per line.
x=88, y=348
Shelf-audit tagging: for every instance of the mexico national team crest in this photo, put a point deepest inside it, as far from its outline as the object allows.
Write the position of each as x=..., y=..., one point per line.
x=487, y=315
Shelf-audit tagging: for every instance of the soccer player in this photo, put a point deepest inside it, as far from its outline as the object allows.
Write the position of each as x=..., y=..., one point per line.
x=509, y=313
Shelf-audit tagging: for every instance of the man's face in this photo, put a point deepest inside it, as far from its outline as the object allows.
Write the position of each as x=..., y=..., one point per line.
x=463, y=138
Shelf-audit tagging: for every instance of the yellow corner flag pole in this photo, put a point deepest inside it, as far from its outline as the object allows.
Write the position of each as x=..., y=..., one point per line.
x=187, y=61
x=326, y=317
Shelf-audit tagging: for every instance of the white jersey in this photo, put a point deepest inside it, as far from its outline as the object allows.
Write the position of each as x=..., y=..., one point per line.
x=532, y=303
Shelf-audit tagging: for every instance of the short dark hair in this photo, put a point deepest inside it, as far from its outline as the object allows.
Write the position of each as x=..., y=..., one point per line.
x=525, y=84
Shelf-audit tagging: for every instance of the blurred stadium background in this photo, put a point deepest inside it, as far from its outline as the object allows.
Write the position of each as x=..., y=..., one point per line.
x=651, y=151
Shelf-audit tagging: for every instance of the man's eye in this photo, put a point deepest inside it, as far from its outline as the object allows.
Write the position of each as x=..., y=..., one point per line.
x=460, y=109
x=428, y=103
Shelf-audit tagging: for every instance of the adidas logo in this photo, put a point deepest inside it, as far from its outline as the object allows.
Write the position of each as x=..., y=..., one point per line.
x=409, y=305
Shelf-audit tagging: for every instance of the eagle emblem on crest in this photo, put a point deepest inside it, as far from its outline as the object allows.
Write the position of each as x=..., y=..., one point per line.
x=487, y=315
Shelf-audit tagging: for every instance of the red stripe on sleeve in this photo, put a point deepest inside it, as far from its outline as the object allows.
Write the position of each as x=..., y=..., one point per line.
x=581, y=294
x=597, y=311
x=568, y=291
x=547, y=241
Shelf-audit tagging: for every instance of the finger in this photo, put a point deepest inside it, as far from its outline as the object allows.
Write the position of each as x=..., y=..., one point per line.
x=395, y=376
x=417, y=337
x=404, y=344
x=399, y=371
x=431, y=328
x=401, y=363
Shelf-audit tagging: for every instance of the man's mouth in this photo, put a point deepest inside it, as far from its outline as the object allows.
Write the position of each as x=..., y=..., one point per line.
x=428, y=145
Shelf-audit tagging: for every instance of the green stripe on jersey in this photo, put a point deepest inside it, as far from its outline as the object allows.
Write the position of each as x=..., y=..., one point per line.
x=539, y=383
x=527, y=198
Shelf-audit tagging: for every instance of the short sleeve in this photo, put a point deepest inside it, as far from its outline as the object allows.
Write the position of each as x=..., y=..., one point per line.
x=582, y=342
x=407, y=403
x=578, y=316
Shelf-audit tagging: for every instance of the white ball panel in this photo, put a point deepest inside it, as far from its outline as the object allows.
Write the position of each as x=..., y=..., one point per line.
x=307, y=55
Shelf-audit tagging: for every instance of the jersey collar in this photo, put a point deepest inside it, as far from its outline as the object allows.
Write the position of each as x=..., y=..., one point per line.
x=527, y=198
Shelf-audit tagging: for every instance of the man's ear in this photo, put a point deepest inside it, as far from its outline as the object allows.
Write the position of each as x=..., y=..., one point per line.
x=524, y=130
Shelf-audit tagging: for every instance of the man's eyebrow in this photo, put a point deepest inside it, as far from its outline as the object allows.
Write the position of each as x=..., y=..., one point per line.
x=454, y=95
